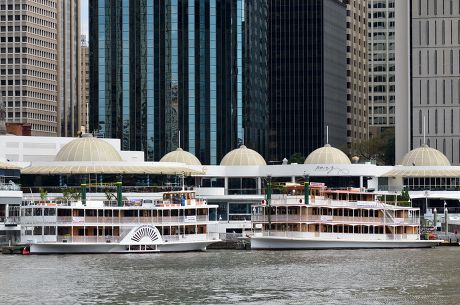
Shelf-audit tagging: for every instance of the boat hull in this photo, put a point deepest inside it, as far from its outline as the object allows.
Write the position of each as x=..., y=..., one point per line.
x=284, y=243
x=72, y=248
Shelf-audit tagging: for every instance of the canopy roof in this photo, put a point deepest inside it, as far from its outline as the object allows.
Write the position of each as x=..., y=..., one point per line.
x=423, y=171
x=121, y=167
x=88, y=149
x=7, y=165
x=327, y=155
x=425, y=156
x=182, y=156
x=242, y=156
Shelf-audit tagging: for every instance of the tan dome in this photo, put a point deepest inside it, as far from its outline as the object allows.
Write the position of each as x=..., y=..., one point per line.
x=425, y=156
x=327, y=155
x=242, y=156
x=88, y=149
x=182, y=156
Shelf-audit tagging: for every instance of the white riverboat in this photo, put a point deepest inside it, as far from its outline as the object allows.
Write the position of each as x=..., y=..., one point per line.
x=176, y=222
x=330, y=219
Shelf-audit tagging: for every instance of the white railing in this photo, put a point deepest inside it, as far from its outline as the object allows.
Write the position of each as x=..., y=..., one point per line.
x=335, y=219
x=30, y=220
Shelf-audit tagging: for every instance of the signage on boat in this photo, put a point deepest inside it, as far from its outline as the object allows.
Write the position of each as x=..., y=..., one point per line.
x=331, y=170
x=190, y=218
x=326, y=218
x=366, y=204
x=317, y=184
x=398, y=221
x=78, y=219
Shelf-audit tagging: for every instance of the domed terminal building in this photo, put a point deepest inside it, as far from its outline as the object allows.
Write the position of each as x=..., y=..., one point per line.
x=425, y=168
x=327, y=155
x=181, y=156
x=94, y=160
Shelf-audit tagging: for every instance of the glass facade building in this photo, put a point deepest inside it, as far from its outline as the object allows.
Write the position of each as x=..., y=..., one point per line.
x=168, y=71
x=307, y=76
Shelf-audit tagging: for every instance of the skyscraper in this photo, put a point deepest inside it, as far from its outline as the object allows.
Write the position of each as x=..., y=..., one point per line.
x=160, y=68
x=357, y=85
x=427, y=77
x=68, y=66
x=84, y=80
x=255, y=63
x=307, y=76
x=37, y=80
x=28, y=59
x=381, y=55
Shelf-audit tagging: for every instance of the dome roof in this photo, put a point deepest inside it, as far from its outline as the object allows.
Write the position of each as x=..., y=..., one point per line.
x=88, y=149
x=242, y=156
x=327, y=155
x=425, y=156
x=182, y=156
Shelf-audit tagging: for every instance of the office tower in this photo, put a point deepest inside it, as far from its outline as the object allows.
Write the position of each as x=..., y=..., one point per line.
x=307, y=76
x=37, y=78
x=68, y=29
x=381, y=55
x=255, y=62
x=160, y=68
x=357, y=84
x=28, y=60
x=84, y=79
x=427, y=77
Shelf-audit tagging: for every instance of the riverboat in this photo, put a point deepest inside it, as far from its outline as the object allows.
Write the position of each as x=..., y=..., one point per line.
x=329, y=219
x=176, y=222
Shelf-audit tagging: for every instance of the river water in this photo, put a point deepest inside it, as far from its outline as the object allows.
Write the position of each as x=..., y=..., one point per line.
x=414, y=276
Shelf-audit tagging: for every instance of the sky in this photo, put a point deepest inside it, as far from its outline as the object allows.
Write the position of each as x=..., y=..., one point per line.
x=84, y=18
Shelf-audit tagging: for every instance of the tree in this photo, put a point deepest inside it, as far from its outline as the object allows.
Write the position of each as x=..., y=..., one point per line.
x=380, y=148
x=296, y=158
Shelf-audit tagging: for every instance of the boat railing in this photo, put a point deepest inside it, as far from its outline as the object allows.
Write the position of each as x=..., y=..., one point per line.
x=11, y=186
x=77, y=220
x=87, y=239
x=334, y=219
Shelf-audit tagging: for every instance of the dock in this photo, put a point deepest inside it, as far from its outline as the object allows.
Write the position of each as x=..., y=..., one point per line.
x=16, y=249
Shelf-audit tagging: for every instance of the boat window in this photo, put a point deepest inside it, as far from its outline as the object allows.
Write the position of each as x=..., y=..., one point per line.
x=49, y=212
x=27, y=212
x=37, y=231
x=37, y=211
x=49, y=230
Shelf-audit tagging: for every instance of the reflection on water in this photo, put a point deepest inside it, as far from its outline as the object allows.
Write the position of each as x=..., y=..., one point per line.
x=416, y=276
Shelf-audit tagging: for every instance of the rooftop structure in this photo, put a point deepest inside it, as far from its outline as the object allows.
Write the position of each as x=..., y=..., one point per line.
x=88, y=149
x=425, y=156
x=242, y=156
x=181, y=156
x=327, y=155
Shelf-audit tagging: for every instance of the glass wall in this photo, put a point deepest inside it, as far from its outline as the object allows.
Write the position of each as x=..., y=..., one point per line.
x=169, y=67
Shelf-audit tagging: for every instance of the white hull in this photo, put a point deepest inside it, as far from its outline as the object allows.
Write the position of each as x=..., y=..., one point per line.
x=71, y=248
x=279, y=243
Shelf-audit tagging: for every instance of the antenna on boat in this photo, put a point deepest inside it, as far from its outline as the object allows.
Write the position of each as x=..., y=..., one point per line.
x=179, y=139
x=327, y=134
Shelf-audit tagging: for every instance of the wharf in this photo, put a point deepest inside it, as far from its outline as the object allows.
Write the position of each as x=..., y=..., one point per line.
x=233, y=244
x=16, y=249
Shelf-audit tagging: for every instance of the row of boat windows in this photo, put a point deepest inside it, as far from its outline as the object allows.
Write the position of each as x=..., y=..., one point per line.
x=108, y=231
x=111, y=213
x=332, y=212
x=358, y=229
